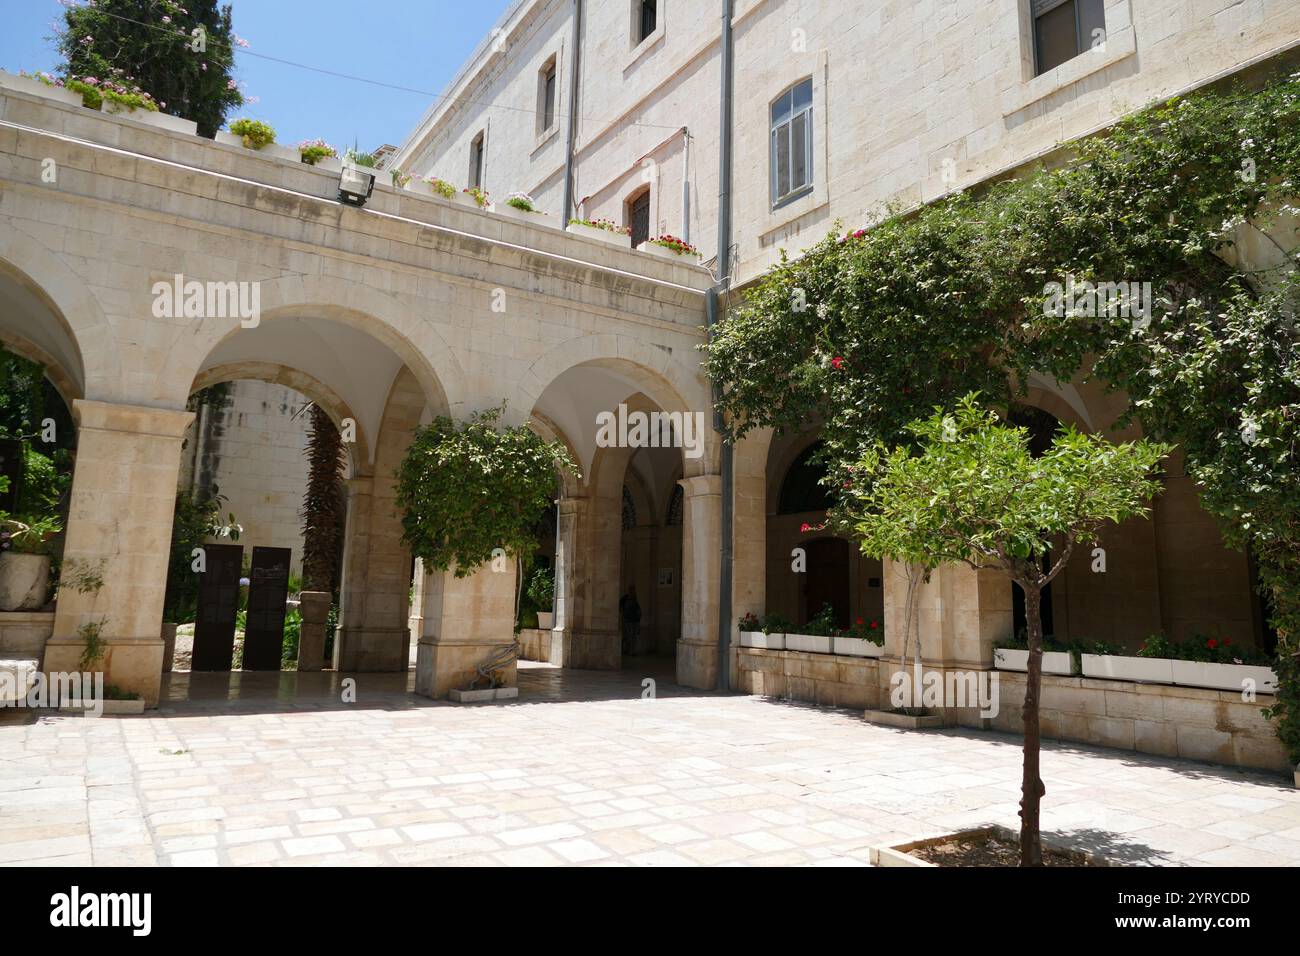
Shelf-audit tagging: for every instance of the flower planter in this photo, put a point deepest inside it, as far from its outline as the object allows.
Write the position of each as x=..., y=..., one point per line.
x=663, y=252
x=1054, y=662
x=330, y=164
x=856, y=647
x=24, y=581
x=622, y=240
x=25, y=84
x=1151, y=670
x=808, y=643
x=510, y=212
x=151, y=118
x=274, y=150
x=770, y=642
x=1224, y=676
x=545, y=620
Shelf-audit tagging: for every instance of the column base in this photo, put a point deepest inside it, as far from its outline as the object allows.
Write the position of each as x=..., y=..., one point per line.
x=132, y=665
x=441, y=667
x=592, y=651
x=697, y=664
x=372, y=649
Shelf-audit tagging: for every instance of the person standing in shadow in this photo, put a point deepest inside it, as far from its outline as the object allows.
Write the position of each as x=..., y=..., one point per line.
x=630, y=612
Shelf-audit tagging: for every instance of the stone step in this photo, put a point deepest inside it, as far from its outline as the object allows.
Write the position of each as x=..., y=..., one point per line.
x=16, y=677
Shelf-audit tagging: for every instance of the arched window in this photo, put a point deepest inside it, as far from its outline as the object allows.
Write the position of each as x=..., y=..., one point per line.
x=629, y=510
x=675, y=506
x=802, y=489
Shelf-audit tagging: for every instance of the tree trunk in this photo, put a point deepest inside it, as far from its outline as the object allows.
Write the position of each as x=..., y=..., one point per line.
x=1031, y=787
x=324, y=507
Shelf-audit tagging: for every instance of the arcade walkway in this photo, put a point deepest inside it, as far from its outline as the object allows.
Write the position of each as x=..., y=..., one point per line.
x=580, y=770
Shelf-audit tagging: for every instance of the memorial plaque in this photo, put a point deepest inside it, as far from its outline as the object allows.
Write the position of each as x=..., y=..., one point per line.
x=218, y=603
x=268, y=587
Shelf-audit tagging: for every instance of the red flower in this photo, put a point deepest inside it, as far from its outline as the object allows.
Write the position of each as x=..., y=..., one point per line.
x=1212, y=642
x=805, y=526
x=859, y=620
x=874, y=625
x=836, y=362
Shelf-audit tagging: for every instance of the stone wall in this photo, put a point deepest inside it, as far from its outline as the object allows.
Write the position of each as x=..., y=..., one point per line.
x=1214, y=726
x=254, y=452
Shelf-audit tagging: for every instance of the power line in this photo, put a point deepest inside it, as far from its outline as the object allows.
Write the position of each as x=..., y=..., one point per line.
x=361, y=79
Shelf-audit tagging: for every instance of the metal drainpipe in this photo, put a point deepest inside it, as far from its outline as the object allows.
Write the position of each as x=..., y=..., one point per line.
x=686, y=184
x=724, y=281
x=574, y=59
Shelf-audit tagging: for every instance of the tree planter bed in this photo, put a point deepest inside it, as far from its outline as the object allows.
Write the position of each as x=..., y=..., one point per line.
x=901, y=721
x=993, y=846
x=771, y=642
x=619, y=239
x=1054, y=662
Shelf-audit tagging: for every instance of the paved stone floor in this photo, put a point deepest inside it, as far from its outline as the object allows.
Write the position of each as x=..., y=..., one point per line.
x=275, y=769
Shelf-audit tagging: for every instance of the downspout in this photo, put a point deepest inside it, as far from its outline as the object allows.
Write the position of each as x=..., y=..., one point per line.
x=574, y=59
x=686, y=184
x=724, y=281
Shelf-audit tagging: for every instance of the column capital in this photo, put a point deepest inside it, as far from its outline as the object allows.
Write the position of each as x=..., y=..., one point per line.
x=136, y=419
x=702, y=485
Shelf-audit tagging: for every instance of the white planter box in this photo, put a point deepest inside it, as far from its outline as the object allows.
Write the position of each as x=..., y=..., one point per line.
x=510, y=212
x=328, y=163
x=856, y=647
x=622, y=240
x=24, y=581
x=227, y=138
x=770, y=642
x=1054, y=662
x=545, y=620
x=274, y=150
x=24, y=84
x=1224, y=676
x=1152, y=670
x=808, y=643
x=663, y=252
x=152, y=118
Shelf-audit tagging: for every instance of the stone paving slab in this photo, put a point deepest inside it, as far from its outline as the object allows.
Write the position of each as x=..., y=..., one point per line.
x=580, y=770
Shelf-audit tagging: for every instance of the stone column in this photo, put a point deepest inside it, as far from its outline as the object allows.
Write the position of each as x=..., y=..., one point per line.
x=697, y=650
x=961, y=613
x=466, y=622
x=119, y=528
x=561, y=650
x=314, y=606
x=591, y=532
x=749, y=534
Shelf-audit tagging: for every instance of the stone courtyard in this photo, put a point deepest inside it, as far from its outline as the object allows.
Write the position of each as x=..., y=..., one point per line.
x=270, y=769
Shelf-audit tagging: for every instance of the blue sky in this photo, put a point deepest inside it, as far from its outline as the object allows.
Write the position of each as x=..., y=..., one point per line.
x=410, y=43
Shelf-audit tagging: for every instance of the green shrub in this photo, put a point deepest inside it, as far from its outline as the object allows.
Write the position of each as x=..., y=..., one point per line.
x=254, y=133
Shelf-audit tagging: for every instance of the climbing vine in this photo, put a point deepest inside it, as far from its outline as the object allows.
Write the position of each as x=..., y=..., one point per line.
x=873, y=328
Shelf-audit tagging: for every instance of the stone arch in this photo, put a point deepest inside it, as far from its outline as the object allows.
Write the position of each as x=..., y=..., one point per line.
x=317, y=391
x=380, y=315
x=97, y=373
x=654, y=371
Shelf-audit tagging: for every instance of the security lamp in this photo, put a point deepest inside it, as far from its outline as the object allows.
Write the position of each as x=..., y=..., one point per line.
x=355, y=184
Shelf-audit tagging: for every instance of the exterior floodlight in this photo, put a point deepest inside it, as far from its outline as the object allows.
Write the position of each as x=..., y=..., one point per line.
x=355, y=184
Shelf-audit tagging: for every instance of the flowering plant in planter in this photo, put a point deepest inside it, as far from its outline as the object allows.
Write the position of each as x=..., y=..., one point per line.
x=254, y=133
x=400, y=179
x=750, y=621
x=313, y=151
x=446, y=190
x=358, y=158
x=823, y=625
x=871, y=632
x=775, y=624
x=121, y=92
x=1208, y=650
x=480, y=196
x=522, y=201
x=679, y=246
x=606, y=224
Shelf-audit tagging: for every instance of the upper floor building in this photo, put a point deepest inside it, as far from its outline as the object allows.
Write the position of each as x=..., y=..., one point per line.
x=841, y=109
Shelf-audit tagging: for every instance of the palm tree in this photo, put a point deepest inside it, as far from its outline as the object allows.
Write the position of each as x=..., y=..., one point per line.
x=323, y=506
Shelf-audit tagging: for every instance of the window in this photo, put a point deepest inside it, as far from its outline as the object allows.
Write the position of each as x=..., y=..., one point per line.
x=546, y=97
x=792, y=146
x=648, y=11
x=638, y=217
x=1065, y=28
x=476, y=162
